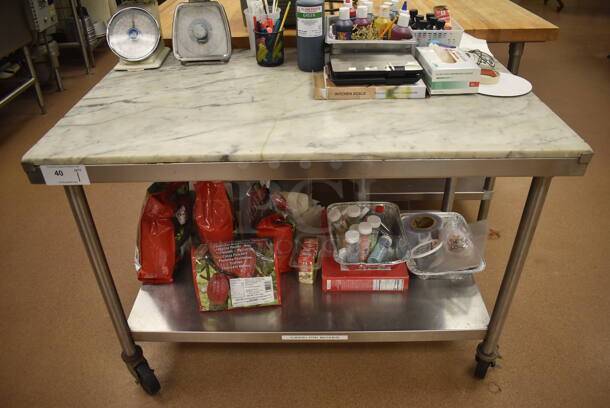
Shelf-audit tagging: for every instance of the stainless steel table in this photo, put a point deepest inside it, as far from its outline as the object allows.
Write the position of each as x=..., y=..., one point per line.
x=132, y=136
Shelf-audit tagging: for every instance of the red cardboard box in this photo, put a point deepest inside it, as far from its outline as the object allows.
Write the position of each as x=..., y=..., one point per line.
x=334, y=279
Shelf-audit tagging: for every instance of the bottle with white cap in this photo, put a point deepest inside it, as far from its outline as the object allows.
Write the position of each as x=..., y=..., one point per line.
x=394, y=9
x=362, y=19
x=352, y=247
x=383, y=20
x=370, y=5
x=338, y=225
x=350, y=5
x=365, y=229
x=343, y=26
x=381, y=250
x=401, y=30
x=375, y=222
x=353, y=213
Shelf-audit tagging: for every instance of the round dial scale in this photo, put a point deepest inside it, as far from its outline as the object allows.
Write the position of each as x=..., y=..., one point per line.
x=133, y=34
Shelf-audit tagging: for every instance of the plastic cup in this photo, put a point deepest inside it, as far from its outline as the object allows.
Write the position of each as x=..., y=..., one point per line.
x=269, y=48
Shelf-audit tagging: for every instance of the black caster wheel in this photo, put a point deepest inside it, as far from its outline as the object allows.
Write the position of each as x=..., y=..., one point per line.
x=480, y=370
x=147, y=379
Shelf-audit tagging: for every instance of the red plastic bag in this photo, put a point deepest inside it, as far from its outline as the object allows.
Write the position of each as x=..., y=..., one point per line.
x=213, y=215
x=163, y=232
x=276, y=227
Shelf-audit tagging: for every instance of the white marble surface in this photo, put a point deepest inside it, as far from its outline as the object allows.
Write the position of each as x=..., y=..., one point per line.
x=243, y=112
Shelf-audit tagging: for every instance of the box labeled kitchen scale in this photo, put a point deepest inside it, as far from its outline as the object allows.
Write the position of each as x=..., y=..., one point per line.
x=448, y=70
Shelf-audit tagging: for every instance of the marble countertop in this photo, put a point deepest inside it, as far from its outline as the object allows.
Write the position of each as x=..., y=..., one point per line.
x=242, y=112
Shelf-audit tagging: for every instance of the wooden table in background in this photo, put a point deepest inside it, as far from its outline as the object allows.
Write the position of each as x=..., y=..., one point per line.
x=497, y=21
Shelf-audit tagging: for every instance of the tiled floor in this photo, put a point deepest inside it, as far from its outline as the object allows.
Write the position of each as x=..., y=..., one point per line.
x=58, y=346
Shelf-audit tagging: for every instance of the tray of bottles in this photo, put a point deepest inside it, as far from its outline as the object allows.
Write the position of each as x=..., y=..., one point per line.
x=367, y=234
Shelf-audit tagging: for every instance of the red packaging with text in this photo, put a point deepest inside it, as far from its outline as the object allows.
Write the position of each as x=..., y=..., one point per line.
x=334, y=279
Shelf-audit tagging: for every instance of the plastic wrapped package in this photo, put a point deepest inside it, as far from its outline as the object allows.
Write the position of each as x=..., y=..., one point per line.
x=164, y=231
x=276, y=227
x=235, y=274
x=212, y=213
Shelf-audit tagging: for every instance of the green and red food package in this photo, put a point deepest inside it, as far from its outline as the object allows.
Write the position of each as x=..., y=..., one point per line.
x=164, y=231
x=235, y=274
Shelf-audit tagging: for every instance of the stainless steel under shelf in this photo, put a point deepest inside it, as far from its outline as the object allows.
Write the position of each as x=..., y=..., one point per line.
x=430, y=310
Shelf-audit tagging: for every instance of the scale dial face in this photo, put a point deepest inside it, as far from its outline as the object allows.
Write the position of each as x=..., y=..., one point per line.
x=133, y=34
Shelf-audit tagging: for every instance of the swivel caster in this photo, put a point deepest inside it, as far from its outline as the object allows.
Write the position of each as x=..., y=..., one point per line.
x=480, y=371
x=139, y=368
x=147, y=379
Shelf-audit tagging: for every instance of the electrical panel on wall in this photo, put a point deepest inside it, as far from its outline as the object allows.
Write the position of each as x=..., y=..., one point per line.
x=40, y=14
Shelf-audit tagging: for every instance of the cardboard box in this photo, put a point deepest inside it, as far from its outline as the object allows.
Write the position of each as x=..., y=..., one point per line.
x=335, y=279
x=461, y=76
x=324, y=88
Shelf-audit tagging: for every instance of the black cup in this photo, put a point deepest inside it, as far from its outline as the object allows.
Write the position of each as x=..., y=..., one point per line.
x=269, y=48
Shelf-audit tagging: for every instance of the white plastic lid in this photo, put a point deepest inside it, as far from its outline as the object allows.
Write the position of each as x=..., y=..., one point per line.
x=334, y=215
x=353, y=211
x=361, y=12
x=403, y=20
x=395, y=5
x=344, y=13
x=374, y=220
x=365, y=228
x=352, y=237
x=384, y=11
x=369, y=5
x=353, y=227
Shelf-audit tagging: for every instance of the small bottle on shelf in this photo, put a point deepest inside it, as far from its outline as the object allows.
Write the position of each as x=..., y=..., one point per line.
x=343, y=29
x=350, y=5
x=366, y=230
x=401, y=30
x=352, y=246
x=362, y=19
x=383, y=20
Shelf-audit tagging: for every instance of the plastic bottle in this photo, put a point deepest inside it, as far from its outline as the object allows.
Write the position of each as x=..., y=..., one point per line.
x=310, y=34
x=401, y=30
x=431, y=23
x=361, y=17
x=394, y=9
x=369, y=10
x=383, y=20
x=381, y=250
x=343, y=26
x=338, y=224
x=375, y=222
x=350, y=5
x=353, y=214
x=366, y=230
x=352, y=248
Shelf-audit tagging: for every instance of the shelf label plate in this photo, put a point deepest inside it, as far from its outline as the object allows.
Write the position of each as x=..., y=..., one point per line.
x=305, y=337
x=65, y=175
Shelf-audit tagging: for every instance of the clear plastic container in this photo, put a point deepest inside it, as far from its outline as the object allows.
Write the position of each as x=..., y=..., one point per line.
x=390, y=224
x=429, y=252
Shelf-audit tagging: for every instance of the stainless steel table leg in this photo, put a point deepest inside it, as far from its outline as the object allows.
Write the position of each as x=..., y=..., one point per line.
x=28, y=60
x=487, y=351
x=449, y=194
x=485, y=204
x=515, y=51
x=82, y=39
x=58, y=81
x=132, y=354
